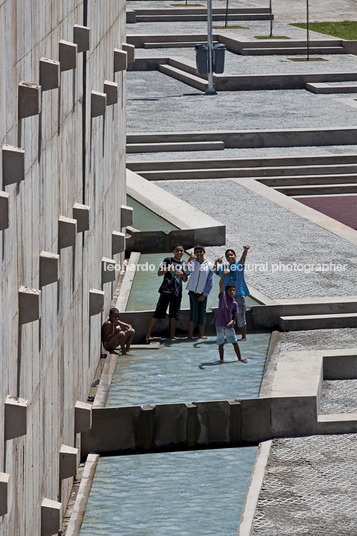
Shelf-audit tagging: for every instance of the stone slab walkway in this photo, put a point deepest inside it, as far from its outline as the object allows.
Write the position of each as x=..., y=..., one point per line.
x=309, y=488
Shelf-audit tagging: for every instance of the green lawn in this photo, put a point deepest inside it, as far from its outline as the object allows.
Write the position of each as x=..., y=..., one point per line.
x=344, y=30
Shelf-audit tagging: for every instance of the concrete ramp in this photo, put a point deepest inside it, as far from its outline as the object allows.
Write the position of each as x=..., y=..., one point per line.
x=194, y=226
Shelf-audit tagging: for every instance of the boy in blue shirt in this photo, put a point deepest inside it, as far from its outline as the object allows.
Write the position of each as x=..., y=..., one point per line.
x=236, y=278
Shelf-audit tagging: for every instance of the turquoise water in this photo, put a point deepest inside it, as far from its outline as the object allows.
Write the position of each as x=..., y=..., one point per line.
x=144, y=295
x=188, y=371
x=146, y=220
x=198, y=493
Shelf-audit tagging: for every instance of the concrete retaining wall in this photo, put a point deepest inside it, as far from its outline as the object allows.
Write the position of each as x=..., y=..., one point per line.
x=300, y=137
x=198, y=425
x=50, y=360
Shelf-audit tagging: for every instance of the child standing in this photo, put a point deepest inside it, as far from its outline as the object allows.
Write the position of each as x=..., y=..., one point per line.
x=198, y=286
x=174, y=271
x=225, y=317
x=235, y=277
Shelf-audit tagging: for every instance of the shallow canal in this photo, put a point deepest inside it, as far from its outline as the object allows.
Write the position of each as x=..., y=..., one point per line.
x=198, y=493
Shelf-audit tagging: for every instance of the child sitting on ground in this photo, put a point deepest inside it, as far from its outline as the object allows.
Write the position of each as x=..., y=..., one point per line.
x=225, y=317
x=117, y=333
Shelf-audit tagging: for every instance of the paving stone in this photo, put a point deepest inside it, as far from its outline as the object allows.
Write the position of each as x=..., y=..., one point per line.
x=246, y=214
x=338, y=396
x=309, y=488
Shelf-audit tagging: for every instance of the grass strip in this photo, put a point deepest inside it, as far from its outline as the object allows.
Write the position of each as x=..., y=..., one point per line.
x=346, y=29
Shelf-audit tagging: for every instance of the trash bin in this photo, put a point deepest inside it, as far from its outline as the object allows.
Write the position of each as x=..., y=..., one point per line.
x=202, y=59
x=218, y=58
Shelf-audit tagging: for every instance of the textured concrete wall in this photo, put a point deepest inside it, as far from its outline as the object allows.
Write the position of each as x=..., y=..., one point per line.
x=69, y=158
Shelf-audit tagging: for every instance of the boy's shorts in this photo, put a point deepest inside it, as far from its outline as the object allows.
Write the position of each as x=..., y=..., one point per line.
x=197, y=309
x=227, y=333
x=241, y=321
x=168, y=299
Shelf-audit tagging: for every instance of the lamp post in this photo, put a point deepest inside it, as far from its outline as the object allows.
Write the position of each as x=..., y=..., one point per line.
x=210, y=90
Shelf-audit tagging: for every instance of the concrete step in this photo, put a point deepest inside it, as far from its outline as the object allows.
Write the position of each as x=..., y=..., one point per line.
x=188, y=10
x=327, y=88
x=337, y=423
x=259, y=162
x=323, y=321
x=297, y=180
x=166, y=147
x=223, y=173
x=318, y=189
x=176, y=44
x=291, y=43
x=199, y=17
x=184, y=77
x=293, y=50
x=297, y=137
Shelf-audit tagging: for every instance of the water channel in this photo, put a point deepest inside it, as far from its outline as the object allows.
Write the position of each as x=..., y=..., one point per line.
x=195, y=493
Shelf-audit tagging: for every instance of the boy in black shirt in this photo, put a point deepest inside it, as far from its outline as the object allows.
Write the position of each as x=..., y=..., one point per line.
x=174, y=271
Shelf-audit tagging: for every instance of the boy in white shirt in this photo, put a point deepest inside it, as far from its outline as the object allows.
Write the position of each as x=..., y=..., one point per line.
x=199, y=286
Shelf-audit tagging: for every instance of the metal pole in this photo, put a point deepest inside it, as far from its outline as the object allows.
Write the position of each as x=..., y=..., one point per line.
x=210, y=90
x=307, y=31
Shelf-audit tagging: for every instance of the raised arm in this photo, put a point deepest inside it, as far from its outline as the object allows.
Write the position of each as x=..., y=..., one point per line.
x=244, y=254
x=217, y=261
x=221, y=289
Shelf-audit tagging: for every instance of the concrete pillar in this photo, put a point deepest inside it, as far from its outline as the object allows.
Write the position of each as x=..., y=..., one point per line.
x=68, y=461
x=170, y=424
x=67, y=230
x=96, y=302
x=29, y=99
x=51, y=517
x=120, y=60
x=118, y=242
x=82, y=417
x=130, y=50
x=214, y=419
x=192, y=425
x=4, y=210
x=98, y=103
x=15, y=417
x=81, y=214
x=126, y=216
x=67, y=53
x=48, y=268
x=29, y=305
x=50, y=74
x=108, y=270
x=235, y=422
x=111, y=91
x=4, y=492
x=13, y=164
x=81, y=37
x=146, y=428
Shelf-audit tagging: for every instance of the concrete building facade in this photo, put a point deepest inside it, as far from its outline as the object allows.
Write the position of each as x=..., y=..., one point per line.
x=62, y=134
